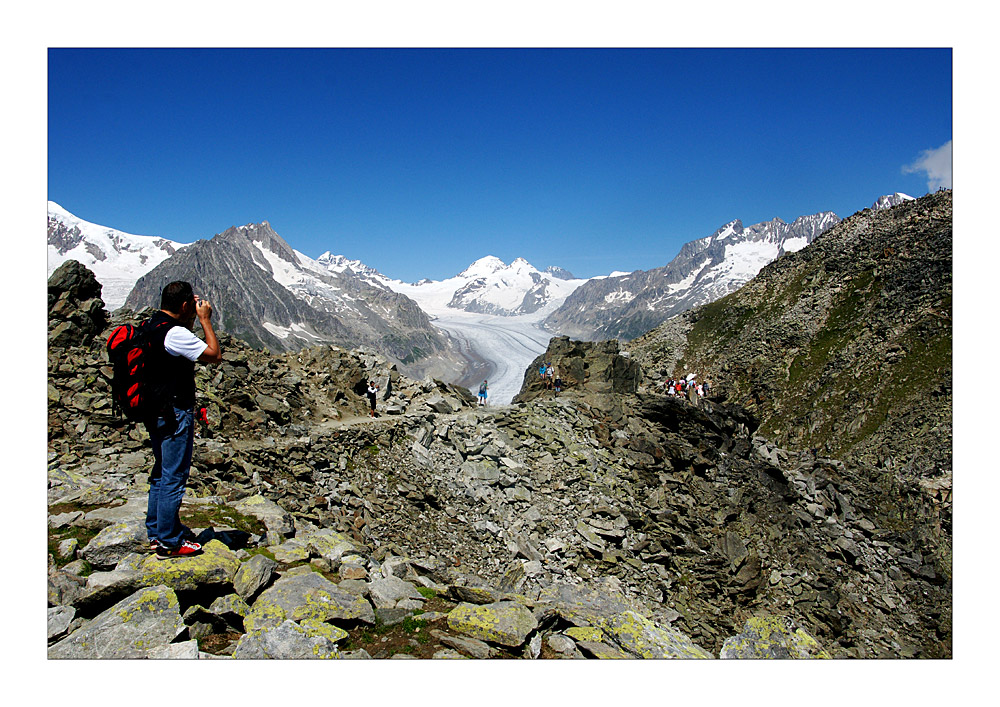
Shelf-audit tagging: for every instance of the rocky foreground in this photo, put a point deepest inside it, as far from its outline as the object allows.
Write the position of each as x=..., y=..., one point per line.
x=599, y=523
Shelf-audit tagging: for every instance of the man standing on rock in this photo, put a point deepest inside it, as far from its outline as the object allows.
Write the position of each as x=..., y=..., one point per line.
x=172, y=432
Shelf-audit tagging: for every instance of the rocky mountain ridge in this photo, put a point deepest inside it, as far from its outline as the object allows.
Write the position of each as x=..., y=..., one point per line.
x=844, y=346
x=626, y=306
x=605, y=521
x=273, y=297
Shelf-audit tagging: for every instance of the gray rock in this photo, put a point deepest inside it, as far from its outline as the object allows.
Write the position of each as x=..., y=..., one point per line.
x=64, y=588
x=147, y=619
x=359, y=654
x=132, y=511
x=391, y=616
x=253, y=576
x=112, y=586
x=187, y=650
x=487, y=472
x=447, y=654
x=387, y=591
x=307, y=596
x=59, y=619
x=560, y=643
x=775, y=637
x=64, y=520
x=276, y=518
x=114, y=542
x=286, y=641
x=465, y=644
x=439, y=403
x=504, y=622
x=231, y=608
x=201, y=622
x=290, y=551
x=67, y=549
x=76, y=567
x=215, y=566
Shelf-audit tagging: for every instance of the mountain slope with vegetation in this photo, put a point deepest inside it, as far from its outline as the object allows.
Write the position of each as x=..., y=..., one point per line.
x=843, y=349
x=844, y=346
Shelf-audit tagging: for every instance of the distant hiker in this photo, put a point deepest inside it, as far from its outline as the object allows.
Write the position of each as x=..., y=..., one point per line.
x=483, y=392
x=171, y=432
x=549, y=372
x=541, y=373
x=372, y=395
x=558, y=384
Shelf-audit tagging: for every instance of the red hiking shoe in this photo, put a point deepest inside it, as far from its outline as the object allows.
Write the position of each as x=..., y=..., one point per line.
x=185, y=549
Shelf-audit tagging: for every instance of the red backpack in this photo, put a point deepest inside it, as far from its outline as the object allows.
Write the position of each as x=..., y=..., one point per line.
x=132, y=352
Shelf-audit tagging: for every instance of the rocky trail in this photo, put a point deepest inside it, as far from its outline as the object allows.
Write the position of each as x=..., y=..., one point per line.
x=603, y=523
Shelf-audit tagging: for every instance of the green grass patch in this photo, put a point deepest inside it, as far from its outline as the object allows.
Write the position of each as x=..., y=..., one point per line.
x=82, y=535
x=211, y=516
x=262, y=551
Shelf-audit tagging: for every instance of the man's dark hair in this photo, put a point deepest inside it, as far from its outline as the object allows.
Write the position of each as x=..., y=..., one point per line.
x=175, y=295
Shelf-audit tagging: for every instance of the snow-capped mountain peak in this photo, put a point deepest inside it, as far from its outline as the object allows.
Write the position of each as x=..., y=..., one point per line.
x=890, y=200
x=483, y=267
x=490, y=286
x=625, y=305
x=340, y=263
x=116, y=258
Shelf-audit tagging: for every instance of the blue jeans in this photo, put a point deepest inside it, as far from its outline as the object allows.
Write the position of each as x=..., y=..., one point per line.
x=172, y=445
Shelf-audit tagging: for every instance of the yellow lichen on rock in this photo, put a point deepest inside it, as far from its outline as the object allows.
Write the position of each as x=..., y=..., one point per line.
x=503, y=622
x=772, y=637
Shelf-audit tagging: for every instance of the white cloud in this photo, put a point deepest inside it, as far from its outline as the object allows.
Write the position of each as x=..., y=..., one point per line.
x=937, y=164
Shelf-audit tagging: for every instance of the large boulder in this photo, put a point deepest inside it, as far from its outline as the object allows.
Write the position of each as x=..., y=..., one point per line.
x=115, y=542
x=608, y=617
x=253, y=575
x=286, y=641
x=585, y=367
x=76, y=311
x=147, y=619
x=505, y=622
x=772, y=637
x=307, y=596
x=76, y=279
x=215, y=565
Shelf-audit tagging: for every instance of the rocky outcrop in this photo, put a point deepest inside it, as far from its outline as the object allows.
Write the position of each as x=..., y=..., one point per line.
x=586, y=368
x=76, y=311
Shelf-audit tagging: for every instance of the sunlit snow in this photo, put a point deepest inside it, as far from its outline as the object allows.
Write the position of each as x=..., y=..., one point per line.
x=127, y=257
x=507, y=343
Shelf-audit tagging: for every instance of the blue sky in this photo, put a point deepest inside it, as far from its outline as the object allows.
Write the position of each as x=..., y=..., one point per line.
x=420, y=161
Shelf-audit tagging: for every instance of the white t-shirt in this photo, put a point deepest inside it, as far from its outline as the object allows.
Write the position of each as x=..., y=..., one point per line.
x=181, y=341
